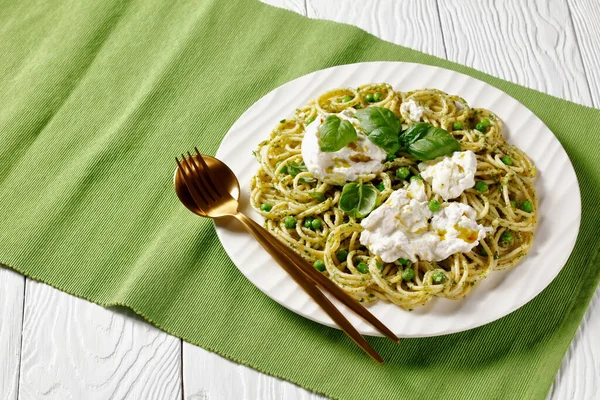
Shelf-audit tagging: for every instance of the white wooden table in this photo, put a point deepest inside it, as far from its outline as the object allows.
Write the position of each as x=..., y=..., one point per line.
x=55, y=346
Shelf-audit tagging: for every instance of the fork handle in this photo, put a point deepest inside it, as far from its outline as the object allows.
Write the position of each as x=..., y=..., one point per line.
x=267, y=241
x=325, y=283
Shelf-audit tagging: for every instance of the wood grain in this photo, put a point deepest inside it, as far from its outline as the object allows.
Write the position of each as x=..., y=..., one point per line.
x=208, y=376
x=73, y=349
x=12, y=292
x=585, y=17
x=400, y=22
x=298, y=6
x=579, y=374
x=531, y=43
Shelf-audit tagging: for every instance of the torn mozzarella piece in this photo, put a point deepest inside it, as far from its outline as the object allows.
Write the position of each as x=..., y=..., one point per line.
x=450, y=176
x=404, y=227
x=458, y=231
x=412, y=109
x=391, y=230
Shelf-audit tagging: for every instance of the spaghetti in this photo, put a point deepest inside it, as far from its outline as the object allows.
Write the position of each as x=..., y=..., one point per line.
x=294, y=199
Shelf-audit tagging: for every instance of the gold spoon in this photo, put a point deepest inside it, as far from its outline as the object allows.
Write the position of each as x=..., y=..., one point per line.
x=204, y=185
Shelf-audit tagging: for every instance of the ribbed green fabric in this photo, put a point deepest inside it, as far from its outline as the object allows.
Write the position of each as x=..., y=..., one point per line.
x=97, y=97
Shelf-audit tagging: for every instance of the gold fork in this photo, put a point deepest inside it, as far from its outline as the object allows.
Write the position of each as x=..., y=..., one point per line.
x=210, y=187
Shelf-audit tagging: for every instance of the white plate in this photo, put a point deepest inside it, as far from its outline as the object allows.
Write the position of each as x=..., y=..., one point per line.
x=496, y=296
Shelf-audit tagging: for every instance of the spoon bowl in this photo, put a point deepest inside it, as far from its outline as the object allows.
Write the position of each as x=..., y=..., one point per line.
x=226, y=176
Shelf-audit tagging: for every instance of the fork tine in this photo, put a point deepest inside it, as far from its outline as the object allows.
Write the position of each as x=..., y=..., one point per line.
x=207, y=172
x=192, y=174
x=189, y=182
x=198, y=179
x=203, y=178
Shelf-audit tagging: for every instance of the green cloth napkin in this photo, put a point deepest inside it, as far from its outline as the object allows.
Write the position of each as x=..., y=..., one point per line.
x=97, y=97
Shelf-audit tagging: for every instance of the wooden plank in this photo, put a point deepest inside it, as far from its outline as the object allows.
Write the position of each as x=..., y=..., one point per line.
x=12, y=293
x=400, y=22
x=209, y=376
x=532, y=43
x=585, y=17
x=73, y=349
x=298, y=6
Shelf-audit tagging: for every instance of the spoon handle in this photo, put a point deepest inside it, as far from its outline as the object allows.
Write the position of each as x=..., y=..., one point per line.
x=268, y=242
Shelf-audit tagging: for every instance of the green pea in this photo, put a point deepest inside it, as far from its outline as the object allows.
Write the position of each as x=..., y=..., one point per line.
x=513, y=204
x=308, y=121
x=308, y=222
x=381, y=187
x=369, y=98
x=408, y=274
x=434, y=205
x=527, y=206
x=379, y=265
x=481, y=186
x=457, y=126
x=316, y=223
x=284, y=170
x=362, y=267
x=289, y=222
x=402, y=173
x=346, y=99
x=483, y=252
x=480, y=127
x=415, y=178
x=320, y=265
x=319, y=196
x=438, y=277
x=485, y=122
x=377, y=96
x=507, y=160
x=403, y=261
x=341, y=255
x=266, y=207
x=496, y=256
x=506, y=237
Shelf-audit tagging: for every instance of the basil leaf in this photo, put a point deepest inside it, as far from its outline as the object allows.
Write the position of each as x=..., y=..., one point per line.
x=335, y=134
x=436, y=142
x=381, y=126
x=358, y=200
x=414, y=133
x=372, y=118
x=368, y=200
x=307, y=179
x=294, y=168
x=386, y=138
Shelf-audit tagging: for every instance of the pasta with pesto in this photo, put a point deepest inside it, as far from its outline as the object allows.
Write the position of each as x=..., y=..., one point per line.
x=354, y=181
